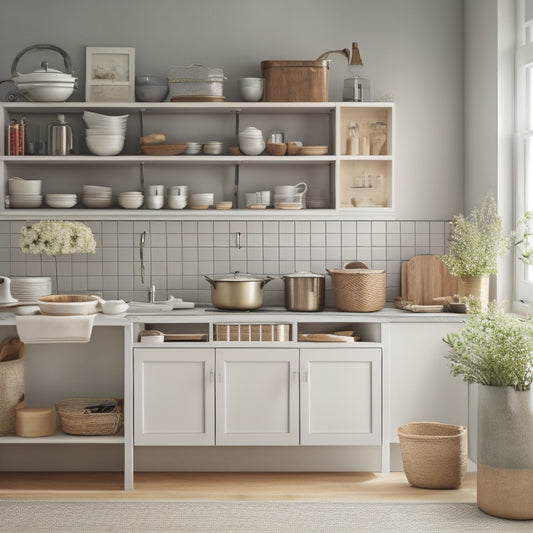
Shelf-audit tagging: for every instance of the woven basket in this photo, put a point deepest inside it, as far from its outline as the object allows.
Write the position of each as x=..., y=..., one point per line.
x=12, y=382
x=359, y=290
x=76, y=421
x=433, y=454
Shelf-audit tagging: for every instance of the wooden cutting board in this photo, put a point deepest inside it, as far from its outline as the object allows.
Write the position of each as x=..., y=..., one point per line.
x=425, y=277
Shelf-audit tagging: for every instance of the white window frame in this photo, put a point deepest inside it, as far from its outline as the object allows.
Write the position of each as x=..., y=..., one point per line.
x=523, y=135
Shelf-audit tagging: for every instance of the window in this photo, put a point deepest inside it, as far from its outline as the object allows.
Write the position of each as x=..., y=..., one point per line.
x=524, y=133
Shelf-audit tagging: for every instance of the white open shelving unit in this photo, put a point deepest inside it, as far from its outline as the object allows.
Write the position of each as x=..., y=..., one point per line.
x=228, y=176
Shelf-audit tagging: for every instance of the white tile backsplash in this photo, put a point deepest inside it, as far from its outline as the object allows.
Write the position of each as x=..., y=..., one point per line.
x=179, y=253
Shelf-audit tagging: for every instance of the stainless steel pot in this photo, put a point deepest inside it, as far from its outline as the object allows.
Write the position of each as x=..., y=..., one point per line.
x=304, y=291
x=238, y=291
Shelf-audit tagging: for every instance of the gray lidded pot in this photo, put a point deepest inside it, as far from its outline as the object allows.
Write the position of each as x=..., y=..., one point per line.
x=304, y=291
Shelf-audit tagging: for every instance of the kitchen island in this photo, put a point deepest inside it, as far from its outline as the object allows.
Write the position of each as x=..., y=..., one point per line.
x=276, y=402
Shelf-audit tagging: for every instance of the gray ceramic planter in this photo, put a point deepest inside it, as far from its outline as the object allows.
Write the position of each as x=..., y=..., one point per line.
x=505, y=452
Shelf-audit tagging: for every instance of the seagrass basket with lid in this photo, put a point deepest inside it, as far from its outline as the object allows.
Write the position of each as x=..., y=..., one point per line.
x=358, y=289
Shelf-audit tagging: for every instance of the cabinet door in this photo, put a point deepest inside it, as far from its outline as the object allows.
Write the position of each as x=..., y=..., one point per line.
x=174, y=396
x=422, y=388
x=340, y=396
x=257, y=396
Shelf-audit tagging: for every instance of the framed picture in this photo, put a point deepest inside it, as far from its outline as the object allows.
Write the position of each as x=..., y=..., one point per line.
x=109, y=74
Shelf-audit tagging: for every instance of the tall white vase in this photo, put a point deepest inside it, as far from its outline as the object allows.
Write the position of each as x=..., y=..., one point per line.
x=505, y=452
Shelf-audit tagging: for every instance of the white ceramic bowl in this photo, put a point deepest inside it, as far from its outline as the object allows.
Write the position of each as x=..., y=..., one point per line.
x=25, y=201
x=151, y=93
x=130, y=202
x=193, y=148
x=173, y=201
x=251, y=146
x=19, y=185
x=61, y=201
x=97, y=202
x=213, y=148
x=105, y=144
x=154, y=201
x=105, y=131
x=67, y=304
x=201, y=199
x=251, y=89
x=97, y=120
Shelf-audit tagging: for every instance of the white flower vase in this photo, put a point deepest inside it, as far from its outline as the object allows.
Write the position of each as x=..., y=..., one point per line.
x=505, y=452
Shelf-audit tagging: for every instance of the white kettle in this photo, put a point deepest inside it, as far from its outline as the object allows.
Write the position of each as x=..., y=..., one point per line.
x=5, y=291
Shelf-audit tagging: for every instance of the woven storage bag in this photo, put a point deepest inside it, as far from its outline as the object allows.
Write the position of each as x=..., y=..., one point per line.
x=433, y=454
x=12, y=382
x=75, y=420
x=360, y=290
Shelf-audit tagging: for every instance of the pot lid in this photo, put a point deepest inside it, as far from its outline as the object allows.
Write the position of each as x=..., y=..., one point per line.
x=304, y=275
x=239, y=276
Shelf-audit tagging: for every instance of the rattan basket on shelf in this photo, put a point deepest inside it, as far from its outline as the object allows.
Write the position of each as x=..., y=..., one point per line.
x=75, y=419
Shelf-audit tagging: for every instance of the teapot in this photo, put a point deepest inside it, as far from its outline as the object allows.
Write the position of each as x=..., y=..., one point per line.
x=5, y=291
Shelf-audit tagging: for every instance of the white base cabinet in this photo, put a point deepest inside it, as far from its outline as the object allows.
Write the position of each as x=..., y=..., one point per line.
x=257, y=396
x=340, y=396
x=261, y=396
x=174, y=400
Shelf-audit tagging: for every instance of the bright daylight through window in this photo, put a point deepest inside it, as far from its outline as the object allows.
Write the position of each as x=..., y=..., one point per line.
x=524, y=136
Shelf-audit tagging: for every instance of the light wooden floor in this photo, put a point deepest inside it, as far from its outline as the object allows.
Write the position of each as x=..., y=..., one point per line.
x=226, y=486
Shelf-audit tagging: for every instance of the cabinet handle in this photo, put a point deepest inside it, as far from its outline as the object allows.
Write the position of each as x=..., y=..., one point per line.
x=295, y=377
x=304, y=377
x=211, y=378
x=219, y=377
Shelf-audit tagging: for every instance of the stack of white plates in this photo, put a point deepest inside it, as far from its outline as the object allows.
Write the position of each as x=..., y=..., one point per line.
x=130, y=200
x=25, y=200
x=60, y=201
x=201, y=200
x=105, y=134
x=317, y=198
x=97, y=196
x=29, y=289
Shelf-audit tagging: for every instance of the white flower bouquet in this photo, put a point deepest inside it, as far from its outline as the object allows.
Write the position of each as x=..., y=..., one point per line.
x=57, y=237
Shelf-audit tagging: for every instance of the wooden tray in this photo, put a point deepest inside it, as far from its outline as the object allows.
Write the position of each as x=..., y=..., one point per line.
x=417, y=308
x=326, y=337
x=162, y=149
x=185, y=337
x=198, y=99
x=312, y=150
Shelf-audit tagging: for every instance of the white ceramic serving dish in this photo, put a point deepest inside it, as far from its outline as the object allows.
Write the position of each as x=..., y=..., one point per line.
x=105, y=144
x=61, y=201
x=67, y=304
x=19, y=185
x=151, y=93
x=176, y=202
x=154, y=201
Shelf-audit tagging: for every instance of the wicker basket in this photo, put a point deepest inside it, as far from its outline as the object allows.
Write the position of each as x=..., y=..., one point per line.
x=433, y=454
x=75, y=420
x=359, y=290
x=12, y=382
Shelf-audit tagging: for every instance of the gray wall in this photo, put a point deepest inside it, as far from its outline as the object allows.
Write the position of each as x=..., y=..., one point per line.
x=412, y=49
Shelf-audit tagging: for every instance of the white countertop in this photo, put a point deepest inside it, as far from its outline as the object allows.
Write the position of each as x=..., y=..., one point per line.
x=211, y=314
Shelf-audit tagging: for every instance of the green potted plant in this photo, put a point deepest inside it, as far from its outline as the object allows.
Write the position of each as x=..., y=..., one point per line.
x=476, y=242
x=495, y=351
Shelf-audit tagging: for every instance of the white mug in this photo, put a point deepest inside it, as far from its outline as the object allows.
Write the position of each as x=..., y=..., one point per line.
x=180, y=190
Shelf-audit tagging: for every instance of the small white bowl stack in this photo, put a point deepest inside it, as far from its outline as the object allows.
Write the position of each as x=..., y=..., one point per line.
x=251, y=89
x=130, y=199
x=105, y=134
x=176, y=197
x=97, y=196
x=201, y=200
x=60, y=201
x=251, y=141
x=24, y=193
